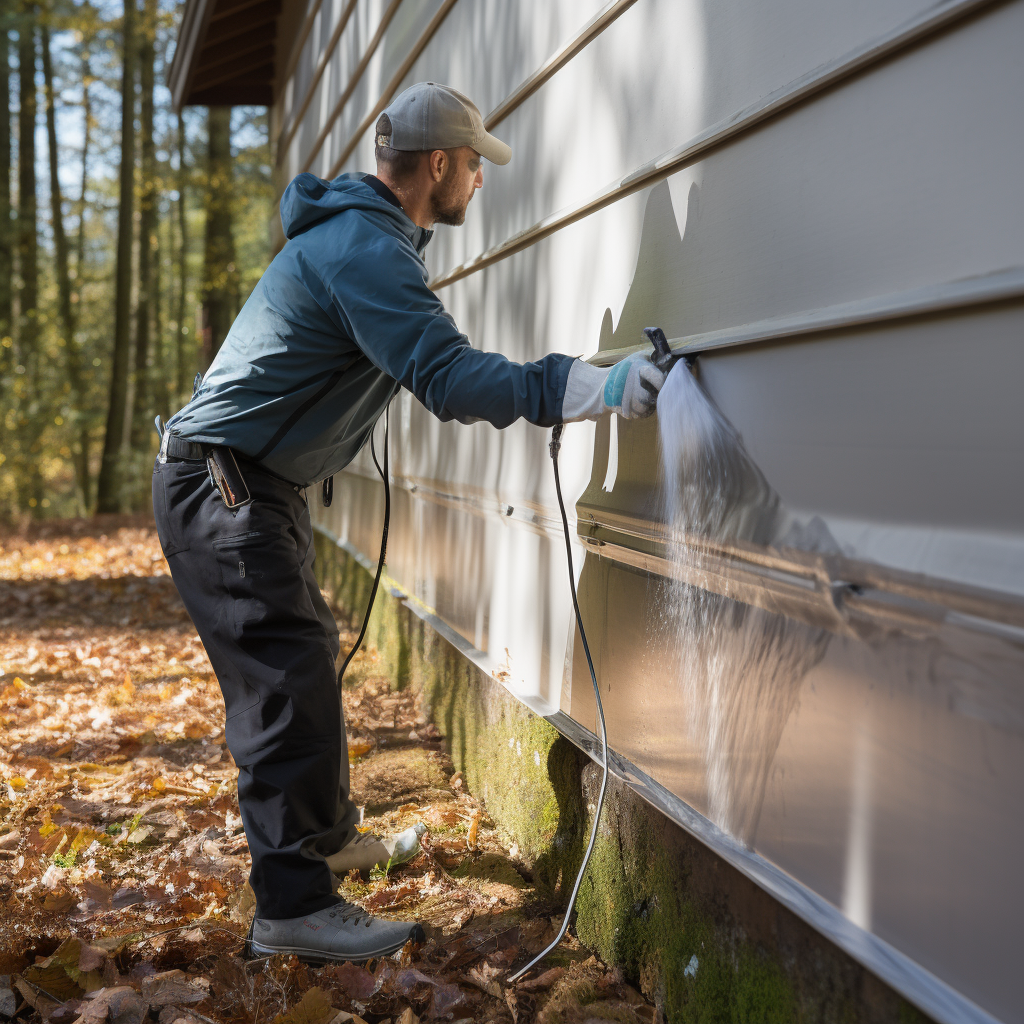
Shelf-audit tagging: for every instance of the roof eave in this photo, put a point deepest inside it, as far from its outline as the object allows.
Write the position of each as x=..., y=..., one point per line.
x=194, y=22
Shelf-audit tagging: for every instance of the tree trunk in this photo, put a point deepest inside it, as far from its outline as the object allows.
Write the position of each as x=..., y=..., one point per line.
x=65, y=308
x=142, y=431
x=181, y=374
x=27, y=385
x=220, y=279
x=6, y=239
x=108, y=498
x=83, y=195
x=85, y=473
x=161, y=390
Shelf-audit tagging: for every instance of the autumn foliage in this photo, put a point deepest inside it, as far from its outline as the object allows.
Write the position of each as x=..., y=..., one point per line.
x=123, y=862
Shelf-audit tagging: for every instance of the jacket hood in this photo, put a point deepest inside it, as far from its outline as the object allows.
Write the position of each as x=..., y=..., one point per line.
x=308, y=200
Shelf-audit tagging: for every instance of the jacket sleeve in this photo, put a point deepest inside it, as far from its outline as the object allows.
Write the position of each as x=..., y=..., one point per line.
x=401, y=326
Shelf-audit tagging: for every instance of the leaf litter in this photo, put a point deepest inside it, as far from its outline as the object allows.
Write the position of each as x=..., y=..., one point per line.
x=123, y=863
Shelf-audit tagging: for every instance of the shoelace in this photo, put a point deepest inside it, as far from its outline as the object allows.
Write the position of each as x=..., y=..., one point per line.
x=350, y=912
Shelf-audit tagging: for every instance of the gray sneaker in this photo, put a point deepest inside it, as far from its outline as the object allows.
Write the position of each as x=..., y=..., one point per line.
x=367, y=851
x=341, y=932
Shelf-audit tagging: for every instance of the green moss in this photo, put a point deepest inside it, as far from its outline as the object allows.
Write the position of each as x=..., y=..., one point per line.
x=637, y=914
x=638, y=907
x=490, y=867
x=633, y=913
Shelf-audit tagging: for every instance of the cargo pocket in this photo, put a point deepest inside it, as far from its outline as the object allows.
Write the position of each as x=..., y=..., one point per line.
x=245, y=562
x=281, y=646
x=248, y=609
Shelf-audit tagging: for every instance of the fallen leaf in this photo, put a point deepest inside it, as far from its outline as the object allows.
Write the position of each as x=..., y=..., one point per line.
x=58, y=975
x=356, y=982
x=35, y=998
x=359, y=746
x=125, y=693
x=176, y=1015
x=8, y=1000
x=313, y=1008
x=91, y=958
x=173, y=987
x=513, y=1005
x=59, y=903
x=543, y=981
x=484, y=976
x=119, y=1005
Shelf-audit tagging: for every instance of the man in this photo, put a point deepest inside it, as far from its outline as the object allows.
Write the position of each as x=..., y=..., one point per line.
x=340, y=320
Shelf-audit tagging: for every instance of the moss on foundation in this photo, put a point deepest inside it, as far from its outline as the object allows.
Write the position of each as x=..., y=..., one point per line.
x=693, y=933
x=636, y=909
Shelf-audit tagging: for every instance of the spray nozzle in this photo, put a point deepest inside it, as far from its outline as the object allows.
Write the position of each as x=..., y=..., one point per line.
x=664, y=358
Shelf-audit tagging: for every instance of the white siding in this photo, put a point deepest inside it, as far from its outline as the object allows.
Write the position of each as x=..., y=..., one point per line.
x=890, y=780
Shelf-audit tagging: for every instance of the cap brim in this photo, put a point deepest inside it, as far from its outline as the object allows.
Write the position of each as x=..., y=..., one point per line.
x=493, y=149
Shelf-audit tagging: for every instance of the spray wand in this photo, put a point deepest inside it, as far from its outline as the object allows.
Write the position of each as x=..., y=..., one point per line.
x=664, y=358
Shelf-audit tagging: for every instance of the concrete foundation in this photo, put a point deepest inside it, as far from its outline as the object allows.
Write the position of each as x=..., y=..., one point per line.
x=689, y=930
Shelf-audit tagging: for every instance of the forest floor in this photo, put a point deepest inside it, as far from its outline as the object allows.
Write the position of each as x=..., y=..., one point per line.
x=123, y=863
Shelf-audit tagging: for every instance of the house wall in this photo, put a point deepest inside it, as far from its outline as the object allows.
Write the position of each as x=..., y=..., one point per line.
x=823, y=200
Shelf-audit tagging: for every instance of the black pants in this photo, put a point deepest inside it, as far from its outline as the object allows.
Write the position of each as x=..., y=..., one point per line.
x=246, y=578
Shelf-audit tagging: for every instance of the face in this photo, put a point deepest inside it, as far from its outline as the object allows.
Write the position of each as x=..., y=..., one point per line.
x=463, y=175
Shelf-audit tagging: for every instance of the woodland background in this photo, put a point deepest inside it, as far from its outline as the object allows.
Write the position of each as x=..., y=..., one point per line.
x=129, y=238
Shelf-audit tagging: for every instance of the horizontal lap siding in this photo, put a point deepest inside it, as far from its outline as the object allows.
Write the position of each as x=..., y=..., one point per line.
x=901, y=436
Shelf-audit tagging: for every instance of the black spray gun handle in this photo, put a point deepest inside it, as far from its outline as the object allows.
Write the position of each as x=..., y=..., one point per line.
x=664, y=358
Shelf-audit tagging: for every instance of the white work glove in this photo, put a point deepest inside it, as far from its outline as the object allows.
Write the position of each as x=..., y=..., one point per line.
x=630, y=388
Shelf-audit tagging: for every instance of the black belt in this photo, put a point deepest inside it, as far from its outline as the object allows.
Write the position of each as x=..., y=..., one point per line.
x=180, y=450
x=174, y=447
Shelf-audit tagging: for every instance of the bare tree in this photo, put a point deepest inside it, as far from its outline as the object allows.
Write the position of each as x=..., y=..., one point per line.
x=65, y=307
x=220, y=278
x=180, y=372
x=27, y=349
x=83, y=413
x=108, y=497
x=142, y=432
x=6, y=261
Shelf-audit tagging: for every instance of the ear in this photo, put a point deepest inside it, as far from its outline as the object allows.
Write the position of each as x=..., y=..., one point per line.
x=438, y=164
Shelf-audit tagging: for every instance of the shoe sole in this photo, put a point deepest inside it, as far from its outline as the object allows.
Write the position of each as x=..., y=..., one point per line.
x=319, y=956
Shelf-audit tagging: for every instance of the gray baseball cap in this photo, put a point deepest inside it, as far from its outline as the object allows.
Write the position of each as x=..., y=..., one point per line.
x=428, y=116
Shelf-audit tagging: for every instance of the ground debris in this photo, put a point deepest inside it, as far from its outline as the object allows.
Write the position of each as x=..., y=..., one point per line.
x=123, y=863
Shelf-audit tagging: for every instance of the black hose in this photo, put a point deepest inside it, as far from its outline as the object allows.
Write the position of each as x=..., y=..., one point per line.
x=553, y=448
x=383, y=541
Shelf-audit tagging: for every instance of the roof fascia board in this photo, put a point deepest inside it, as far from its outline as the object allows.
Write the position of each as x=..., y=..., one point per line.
x=194, y=23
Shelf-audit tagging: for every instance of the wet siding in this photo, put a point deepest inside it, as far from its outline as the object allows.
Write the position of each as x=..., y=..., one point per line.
x=824, y=199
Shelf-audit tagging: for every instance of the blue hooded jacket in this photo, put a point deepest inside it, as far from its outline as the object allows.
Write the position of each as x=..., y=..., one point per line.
x=341, y=318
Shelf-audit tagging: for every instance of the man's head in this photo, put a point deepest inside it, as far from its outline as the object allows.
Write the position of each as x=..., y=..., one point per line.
x=429, y=145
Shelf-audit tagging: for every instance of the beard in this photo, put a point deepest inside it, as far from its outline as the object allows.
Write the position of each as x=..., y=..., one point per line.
x=448, y=202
